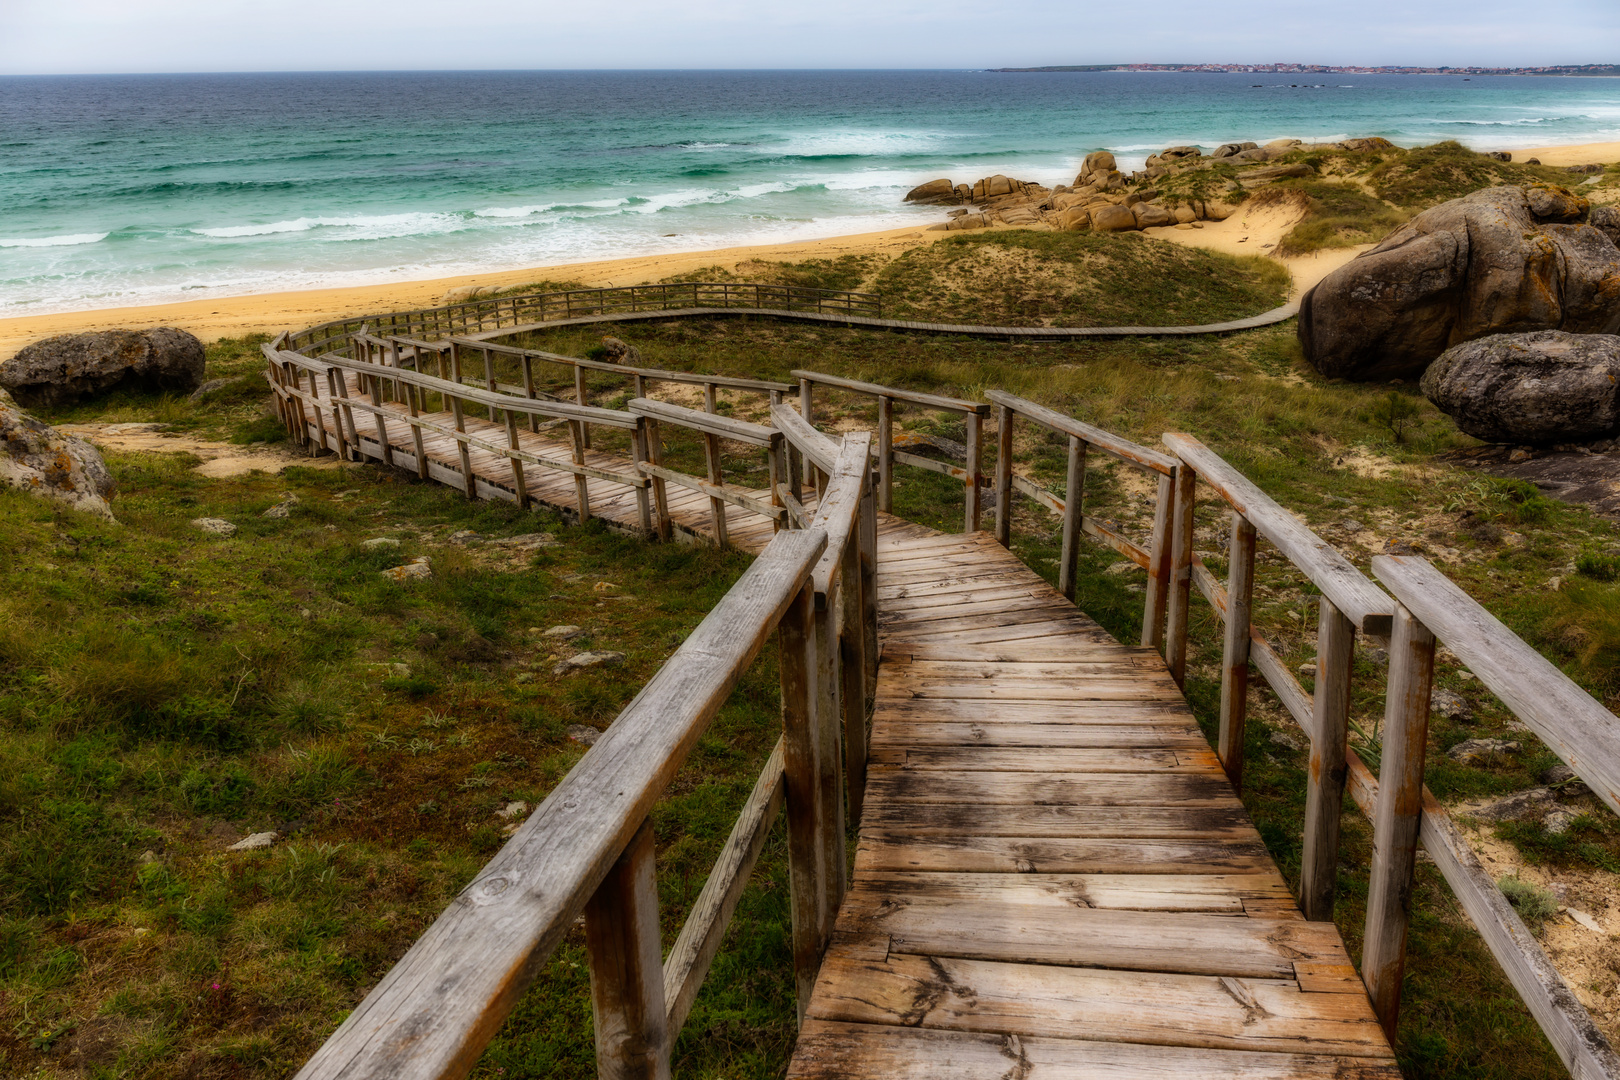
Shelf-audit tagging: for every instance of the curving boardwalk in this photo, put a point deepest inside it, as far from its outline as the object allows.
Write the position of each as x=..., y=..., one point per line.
x=1054, y=878
x=1044, y=333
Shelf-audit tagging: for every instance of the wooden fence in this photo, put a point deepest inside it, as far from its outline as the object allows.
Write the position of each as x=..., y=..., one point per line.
x=587, y=851
x=513, y=313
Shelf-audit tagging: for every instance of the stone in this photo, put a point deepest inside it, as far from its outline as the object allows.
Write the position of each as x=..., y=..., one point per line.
x=581, y=734
x=968, y=221
x=1287, y=740
x=1252, y=155
x=1283, y=144
x=1450, y=705
x=1226, y=150
x=1308, y=670
x=1606, y=219
x=1501, y=260
x=70, y=367
x=1098, y=165
x=1112, y=218
x=1018, y=215
x=527, y=542
x=256, y=842
x=1179, y=153
x=1538, y=388
x=209, y=387
x=1558, y=820
x=463, y=536
x=562, y=633
x=1498, y=155
x=1185, y=215
x=1564, y=778
x=214, y=526
x=1376, y=142
x=615, y=351
x=1532, y=161
x=512, y=809
x=1585, y=920
x=1476, y=751
x=1152, y=216
x=282, y=509
x=935, y=191
x=583, y=660
x=992, y=186
x=417, y=569
x=38, y=459
x=380, y=542
x=1532, y=802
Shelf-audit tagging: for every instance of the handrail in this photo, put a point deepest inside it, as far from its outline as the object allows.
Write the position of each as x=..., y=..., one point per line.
x=713, y=428
x=1154, y=559
x=1584, y=734
x=972, y=477
x=1402, y=810
x=661, y=374
x=437, y=1008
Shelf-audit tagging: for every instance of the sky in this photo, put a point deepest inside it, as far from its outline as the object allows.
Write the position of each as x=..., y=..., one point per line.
x=109, y=36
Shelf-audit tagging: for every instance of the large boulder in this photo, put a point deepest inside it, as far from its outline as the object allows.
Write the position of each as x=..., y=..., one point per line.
x=64, y=369
x=935, y=191
x=1231, y=149
x=1500, y=261
x=1546, y=387
x=1111, y=218
x=1152, y=216
x=41, y=460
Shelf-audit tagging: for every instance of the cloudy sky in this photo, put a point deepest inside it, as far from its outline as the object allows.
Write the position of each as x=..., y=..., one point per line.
x=74, y=36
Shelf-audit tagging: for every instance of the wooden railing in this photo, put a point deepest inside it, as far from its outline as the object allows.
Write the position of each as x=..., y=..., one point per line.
x=1154, y=558
x=973, y=412
x=516, y=312
x=1426, y=607
x=588, y=848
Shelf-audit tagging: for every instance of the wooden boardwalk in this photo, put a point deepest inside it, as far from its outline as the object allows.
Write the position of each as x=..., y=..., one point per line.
x=1054, y=878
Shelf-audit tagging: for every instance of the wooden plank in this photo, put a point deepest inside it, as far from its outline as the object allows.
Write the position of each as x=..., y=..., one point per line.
x=1132, y=454
x=818, y=449
x=1568, y=719
x=1019, y=759
x=1225, y=893
x=890, y=731
x=1095, y=822
x=1192, y=943
x=725, y=427
x=435, y=1010
x=1066, y=855
x=1360, y=600
x=1051, y=789
x=830, y=1050
x=1214, y=1012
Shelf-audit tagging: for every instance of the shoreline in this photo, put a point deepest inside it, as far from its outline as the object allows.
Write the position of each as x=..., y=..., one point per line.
x=220, y=317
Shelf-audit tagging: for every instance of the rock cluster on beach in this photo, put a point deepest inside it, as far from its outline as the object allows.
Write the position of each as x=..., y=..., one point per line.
x=69, y=367
x=1107, y=200
x=40, y=460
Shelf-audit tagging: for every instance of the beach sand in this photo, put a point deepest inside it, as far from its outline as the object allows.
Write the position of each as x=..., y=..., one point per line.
x=234, y=316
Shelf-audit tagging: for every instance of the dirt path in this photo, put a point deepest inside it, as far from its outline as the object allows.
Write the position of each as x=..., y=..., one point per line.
x=219, y=459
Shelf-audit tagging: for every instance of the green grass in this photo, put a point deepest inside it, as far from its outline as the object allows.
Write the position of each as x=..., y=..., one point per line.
x=1337, y=215
x=160, y=689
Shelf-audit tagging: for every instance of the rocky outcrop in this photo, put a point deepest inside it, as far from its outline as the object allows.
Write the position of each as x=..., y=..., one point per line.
x=37, y=458
x=1232, y=149
x=1500, y=261
x=940, y=192
x=64, y=369
x=1545, y=387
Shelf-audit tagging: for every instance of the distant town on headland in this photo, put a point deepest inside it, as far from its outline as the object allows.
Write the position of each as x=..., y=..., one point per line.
x=1612, y=70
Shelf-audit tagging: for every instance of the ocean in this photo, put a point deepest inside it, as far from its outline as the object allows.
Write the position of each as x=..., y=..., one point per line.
x=120, y=190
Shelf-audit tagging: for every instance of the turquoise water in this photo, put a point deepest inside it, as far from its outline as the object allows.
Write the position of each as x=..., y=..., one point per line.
x=120, y=190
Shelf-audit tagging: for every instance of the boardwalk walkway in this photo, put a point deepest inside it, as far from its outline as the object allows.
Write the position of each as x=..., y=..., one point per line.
x=1054, y=878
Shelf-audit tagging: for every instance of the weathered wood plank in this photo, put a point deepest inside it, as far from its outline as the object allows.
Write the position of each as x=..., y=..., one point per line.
x=1225, y=893
x=1214, y=1012
x=1065, y=855
x=830, y=1050
x=893, y=818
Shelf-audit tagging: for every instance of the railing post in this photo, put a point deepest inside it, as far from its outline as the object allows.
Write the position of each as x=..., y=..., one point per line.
x=638, y=448
x=627, y=970
x=1074, y=497
x=469, y=484
x=1398, y=814
x=885, y=434
x=579, y=395
x=1158, y=589
x=1324, y=792
x=974, y=432
x=1004, y=464
x=1181, y=538
x=796, y=637
x=1235, y=649
x=581, y=439
x=804, y=411
x=717, y=507
x=655, y=454
x=489, y=381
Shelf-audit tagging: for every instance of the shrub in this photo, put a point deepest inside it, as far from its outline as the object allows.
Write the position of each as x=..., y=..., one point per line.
x=1533, y=903
x=1597, y=566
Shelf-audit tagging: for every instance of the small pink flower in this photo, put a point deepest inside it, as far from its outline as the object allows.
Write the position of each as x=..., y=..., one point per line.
x=216, y=986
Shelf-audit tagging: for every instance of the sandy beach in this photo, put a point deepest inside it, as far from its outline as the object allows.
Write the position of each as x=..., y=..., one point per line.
x=218, y=317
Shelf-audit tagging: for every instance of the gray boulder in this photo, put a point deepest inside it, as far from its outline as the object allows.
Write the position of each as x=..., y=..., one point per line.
x=64, y=369
x=1546, y=387
x=41, y=460
x=1505, y=260
x=1232, y=149
x=935, y=191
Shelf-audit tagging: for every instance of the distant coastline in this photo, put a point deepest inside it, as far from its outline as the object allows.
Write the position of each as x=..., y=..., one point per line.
x=1600, y=71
